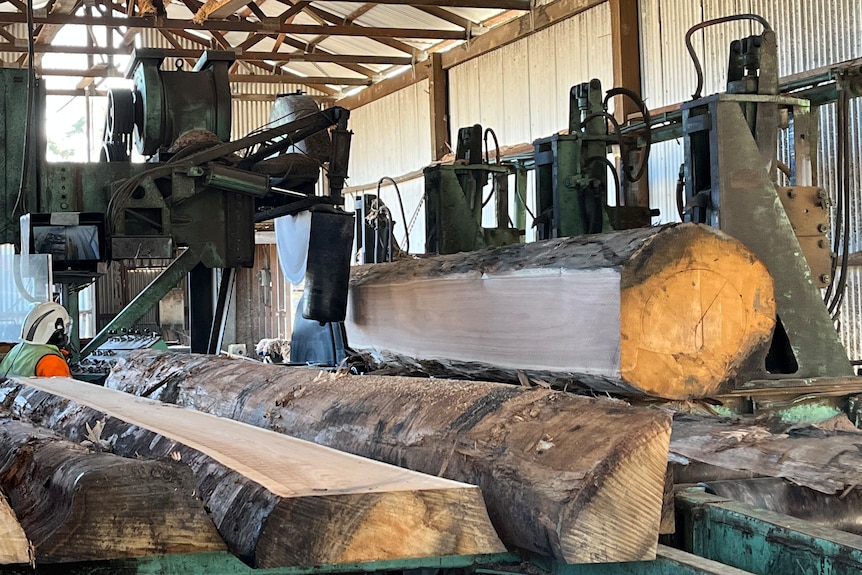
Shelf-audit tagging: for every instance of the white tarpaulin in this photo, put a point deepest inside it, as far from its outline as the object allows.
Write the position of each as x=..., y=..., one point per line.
x=291, y=239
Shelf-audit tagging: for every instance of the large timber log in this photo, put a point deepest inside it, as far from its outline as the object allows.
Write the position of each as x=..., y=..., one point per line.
x=77, y=505
x=576, y=478
x=14, y=546
x=276, y=500
x=679, y=312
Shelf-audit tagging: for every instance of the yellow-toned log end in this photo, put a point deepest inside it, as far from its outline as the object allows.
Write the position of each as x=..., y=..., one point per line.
x=697, y=312
x=14, y=546
x=626, y=503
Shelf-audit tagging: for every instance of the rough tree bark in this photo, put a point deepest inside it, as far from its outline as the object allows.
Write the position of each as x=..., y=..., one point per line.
x=276, y=500
x=77, y=505
x=577, y=478
x=682, y=311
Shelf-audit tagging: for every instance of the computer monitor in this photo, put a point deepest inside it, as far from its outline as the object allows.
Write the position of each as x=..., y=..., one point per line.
x=76, y=241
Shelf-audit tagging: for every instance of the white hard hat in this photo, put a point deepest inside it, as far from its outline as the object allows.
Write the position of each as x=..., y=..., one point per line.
x=44, y=322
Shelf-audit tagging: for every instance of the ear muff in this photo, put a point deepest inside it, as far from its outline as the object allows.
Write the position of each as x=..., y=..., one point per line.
x=59, y=337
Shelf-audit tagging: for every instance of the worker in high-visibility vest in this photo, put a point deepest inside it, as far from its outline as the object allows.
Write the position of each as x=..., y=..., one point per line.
x=44, y=336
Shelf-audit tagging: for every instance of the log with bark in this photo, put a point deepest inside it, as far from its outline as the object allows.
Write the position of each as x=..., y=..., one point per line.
x=277, y=501
x=681, y=311
x=576, y=478
x=77, y=505
x=823, y=456
x=14, y=546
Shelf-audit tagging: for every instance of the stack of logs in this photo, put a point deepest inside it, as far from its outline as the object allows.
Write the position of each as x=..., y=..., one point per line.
x=575, y=478
x=286, y=466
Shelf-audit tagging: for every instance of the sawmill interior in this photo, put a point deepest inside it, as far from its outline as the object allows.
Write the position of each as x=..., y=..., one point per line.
x=467, y=287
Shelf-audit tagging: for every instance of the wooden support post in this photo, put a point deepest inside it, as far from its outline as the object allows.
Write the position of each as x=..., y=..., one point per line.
x=625, y=48
x=438, y=89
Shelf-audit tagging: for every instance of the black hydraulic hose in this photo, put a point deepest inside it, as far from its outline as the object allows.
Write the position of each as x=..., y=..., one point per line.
x=837, y=230
x=701, y=26
x=843, y=109
x=401, y=205
x=597, y=227
x=644, y=110
x=680, y=193
x=496, y=145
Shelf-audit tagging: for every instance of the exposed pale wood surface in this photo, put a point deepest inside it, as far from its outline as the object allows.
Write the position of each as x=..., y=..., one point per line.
x=14, y=547
x=577, y=478
x=77, y=505
x=681, y=311
x=277, y=501
x=260, y=455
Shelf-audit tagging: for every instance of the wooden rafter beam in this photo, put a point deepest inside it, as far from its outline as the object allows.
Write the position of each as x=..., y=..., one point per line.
x=291, y=12
x=250, y=56
x=354, y=66
x=447, y=16
x=390, y=41
x=286, y=78
x=254, y=8
x=243, y=96
x=237, y=26
x=20, y=6
x=349, y=19
x=492, y=4
x=100, y=71
x=540, y=18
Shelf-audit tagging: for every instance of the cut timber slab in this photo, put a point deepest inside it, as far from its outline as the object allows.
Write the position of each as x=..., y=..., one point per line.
x=576, y=478
x=290, y=502
x=77, y=505
x=14, y=546
x=682, y=311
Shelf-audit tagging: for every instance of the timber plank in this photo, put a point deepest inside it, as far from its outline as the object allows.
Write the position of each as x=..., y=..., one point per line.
x=580, y=479
x=278, y=501
x=77, y=505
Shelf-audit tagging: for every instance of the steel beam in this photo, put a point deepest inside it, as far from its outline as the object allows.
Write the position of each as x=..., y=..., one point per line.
x=761, y=541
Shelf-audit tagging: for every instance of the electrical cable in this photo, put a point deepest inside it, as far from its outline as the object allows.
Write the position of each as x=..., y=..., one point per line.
x=401, y=205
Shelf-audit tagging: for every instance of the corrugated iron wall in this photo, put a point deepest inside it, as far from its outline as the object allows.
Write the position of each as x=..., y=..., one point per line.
x=122, y=282
x=262, y=301
x=811, y=34
x=392, y=136
x=521, y=90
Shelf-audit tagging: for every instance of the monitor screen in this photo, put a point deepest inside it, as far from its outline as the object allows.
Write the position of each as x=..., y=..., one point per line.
x=68, y=243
